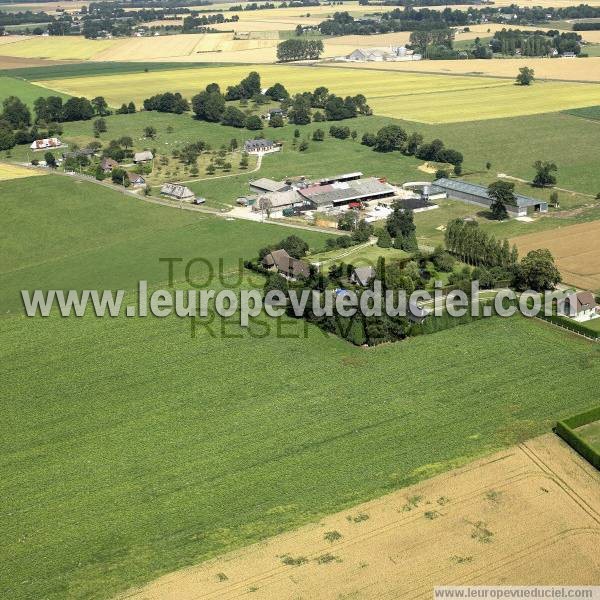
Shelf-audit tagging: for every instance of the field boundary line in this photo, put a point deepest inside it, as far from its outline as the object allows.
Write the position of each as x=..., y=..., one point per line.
x=544, y=467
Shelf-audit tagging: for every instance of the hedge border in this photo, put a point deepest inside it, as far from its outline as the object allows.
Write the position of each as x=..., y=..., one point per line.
x=566, y=430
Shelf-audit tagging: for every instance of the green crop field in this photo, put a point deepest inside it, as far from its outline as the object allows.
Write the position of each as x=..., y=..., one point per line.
x=93, y=69
x=84, y=235
x=130, y=449
x=28, y=92
x=162, y=456
x=415, y=97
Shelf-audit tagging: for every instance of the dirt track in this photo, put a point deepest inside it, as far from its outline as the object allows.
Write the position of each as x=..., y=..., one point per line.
x=527, y=515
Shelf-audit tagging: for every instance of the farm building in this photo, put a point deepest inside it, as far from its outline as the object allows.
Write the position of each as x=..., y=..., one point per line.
x=142, y=157
x=261, y=146
x=108, y=164
x=264, y=184
x=340, y=193
x=179, y=192
x=284, y=264
x=279, y=201
x=393, y=53
x=581, y=306
x=46, y=143
x=344, y=177
x=87, y=152
x=477, y=194
x=136, y=180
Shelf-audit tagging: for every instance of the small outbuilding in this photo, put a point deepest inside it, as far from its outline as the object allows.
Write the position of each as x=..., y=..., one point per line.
x=581, y=306
x=136, y=180
x=177, y=191
x=264, y=184
x=362, y=276
x=143, y=157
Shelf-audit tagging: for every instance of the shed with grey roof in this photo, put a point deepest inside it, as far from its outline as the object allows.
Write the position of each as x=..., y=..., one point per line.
x=478, y=194
x=180, y=192
x=264, y=184
x=344, y=192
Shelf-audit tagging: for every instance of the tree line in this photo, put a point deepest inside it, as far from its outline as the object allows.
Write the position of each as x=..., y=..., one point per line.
x=535, y=43
x=298, y=49
x=18, y=126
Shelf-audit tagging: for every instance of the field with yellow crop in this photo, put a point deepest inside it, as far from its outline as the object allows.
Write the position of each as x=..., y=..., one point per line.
x=415, y=97
x=580, y=69
x=54, y=47
x=10, y=171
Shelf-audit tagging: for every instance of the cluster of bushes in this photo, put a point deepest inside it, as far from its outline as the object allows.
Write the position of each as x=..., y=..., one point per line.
x=394, y=138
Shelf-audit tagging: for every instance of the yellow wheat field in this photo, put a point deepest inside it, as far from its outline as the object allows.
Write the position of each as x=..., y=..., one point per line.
x=411, y=96
x=576, y=69
x=9, y=171
x=54, y=47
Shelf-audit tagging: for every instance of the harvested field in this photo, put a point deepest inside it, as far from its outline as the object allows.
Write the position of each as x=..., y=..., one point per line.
x=14, y=62
x=410, y=96
x=9, y=171
x=576, y=250
x=529, y=515
x=582, y=69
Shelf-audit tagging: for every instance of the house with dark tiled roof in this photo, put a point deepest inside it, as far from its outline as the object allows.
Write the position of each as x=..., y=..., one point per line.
x=286, y=265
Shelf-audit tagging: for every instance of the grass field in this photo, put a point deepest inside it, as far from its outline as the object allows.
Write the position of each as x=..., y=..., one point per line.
x=59, y=70
x=358, y=256
x=8, y=171
x=140, y=466
x=28, y=92
x=591, y=434
x=415, y=97
x=84, y=235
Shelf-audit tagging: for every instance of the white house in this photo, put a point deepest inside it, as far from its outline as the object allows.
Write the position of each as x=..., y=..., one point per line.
x=582, y=307
x=46, y=143
x=261, y=146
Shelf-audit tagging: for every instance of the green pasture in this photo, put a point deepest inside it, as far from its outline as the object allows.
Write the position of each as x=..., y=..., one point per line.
x=84, y=235
x=130, y=449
